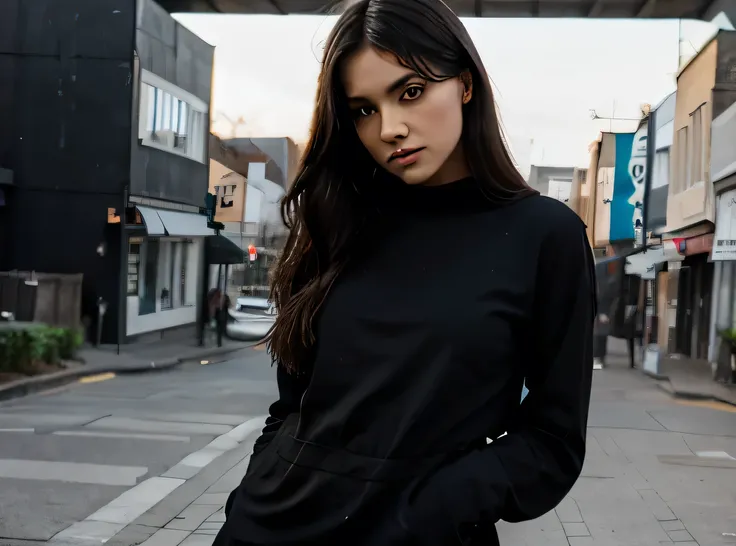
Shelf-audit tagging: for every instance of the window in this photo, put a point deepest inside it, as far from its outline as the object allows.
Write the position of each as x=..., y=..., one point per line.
x=226, y=194
x=134, y=263
x=168, y=273
x=661, y=173
x=172, y=119
x=696, y=150
x=682, y=160
x=173, y=269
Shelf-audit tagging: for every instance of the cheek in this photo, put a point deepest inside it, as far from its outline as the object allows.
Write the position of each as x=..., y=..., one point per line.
x=442, y=119
x=369, y=134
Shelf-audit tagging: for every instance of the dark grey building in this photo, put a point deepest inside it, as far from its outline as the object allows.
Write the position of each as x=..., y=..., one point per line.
x=660, y=141
x=105, y=108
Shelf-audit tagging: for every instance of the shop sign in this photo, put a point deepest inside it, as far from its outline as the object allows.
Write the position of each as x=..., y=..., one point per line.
x=724, y=244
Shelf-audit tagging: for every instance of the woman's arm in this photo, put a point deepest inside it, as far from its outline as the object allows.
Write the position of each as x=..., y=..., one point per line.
x=291, y=390
x=530, y=470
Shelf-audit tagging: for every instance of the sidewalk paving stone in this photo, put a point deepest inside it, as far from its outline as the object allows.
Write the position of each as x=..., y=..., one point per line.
x=131, y=359
x=196, y=539
x=166, y=537
x=213, y=498
x=193, y=516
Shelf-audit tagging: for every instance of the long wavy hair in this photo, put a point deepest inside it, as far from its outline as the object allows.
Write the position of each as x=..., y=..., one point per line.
x=328, y=204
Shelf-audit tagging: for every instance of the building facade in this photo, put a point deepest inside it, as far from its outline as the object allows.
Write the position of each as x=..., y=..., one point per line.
x=705, y=91
x=615, y=188
x=107, y=103
x=551, y=181
x=249, y=178
x=723, y=178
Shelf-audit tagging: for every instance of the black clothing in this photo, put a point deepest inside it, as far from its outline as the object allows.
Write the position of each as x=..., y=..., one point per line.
x=600, y=347
x=222, y=316
x=423, y=345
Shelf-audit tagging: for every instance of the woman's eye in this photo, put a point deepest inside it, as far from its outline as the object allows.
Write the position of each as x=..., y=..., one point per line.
x=412, y=93
x=364, y=111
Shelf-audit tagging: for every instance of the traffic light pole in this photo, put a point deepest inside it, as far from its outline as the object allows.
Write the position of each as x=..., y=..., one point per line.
x=210, y=209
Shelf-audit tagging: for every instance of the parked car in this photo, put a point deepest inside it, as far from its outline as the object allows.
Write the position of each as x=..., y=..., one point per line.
x=251, y=319
x=255, y=306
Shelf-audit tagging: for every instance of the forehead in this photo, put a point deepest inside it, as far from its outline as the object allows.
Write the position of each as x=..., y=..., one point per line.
x=369, y=72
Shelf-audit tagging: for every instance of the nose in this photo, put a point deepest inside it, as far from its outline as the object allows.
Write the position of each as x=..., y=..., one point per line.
x=393, y=127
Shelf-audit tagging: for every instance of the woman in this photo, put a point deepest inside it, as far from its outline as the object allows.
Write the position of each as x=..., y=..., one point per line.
x=421, y=283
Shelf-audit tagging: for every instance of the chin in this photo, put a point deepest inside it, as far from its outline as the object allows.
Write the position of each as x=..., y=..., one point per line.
x=415, y=177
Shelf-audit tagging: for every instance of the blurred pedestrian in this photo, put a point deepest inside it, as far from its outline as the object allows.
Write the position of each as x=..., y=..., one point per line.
x=222, y=316
x=388, y=393
x=605, y=276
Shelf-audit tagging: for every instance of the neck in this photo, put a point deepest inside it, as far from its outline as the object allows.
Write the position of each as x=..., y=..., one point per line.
x=464, y=195
x=454, y=169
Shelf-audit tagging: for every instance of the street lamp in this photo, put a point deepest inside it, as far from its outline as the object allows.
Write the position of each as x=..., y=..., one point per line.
x=594, y=116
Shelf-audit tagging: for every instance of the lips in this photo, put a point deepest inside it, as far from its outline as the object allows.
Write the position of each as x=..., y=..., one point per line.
x=404, y=152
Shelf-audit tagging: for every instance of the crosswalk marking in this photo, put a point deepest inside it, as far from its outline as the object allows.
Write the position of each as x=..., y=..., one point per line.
x=163, y=427
x=113, y=517
x=122, y=435
x=98, y=474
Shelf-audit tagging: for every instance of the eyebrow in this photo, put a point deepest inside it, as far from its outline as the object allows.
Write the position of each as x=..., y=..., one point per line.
x=396, y=85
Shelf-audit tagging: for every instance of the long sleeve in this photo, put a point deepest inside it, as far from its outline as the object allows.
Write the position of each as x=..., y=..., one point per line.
x=529, y=471
x=291, y=390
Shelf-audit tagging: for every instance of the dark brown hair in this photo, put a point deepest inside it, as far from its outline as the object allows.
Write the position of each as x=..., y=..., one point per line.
x=326, y=207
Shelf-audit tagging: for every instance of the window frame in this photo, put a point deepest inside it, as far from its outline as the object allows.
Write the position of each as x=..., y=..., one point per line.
x=197, y=117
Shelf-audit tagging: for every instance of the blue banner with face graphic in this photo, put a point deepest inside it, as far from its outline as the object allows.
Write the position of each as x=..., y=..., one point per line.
x=628, y=185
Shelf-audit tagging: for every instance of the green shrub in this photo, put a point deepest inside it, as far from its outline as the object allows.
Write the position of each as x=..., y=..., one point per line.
x=729, y=336
x=16, y=350
x=21, y=345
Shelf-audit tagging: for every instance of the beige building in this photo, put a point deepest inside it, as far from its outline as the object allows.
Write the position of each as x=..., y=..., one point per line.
x=690, y=201
x=702, y=86
x=231, y=189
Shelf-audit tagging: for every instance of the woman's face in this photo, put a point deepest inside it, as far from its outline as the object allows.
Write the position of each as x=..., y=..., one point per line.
x=410, y=126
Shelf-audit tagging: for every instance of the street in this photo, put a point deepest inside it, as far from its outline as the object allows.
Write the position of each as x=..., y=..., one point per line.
x=149, y=459
x=65, y=454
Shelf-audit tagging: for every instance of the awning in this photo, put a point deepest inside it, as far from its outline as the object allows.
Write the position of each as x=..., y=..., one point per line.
x=221, y=250
x=154, y=225
x=645, y=264
x=173, y=223
x=184, y=224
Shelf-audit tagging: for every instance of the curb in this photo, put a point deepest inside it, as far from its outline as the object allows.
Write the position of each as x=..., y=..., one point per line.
x=151, y=500
x=688, y=395
x=32, y=385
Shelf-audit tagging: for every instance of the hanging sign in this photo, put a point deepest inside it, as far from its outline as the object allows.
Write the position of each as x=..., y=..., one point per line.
x=724, y=240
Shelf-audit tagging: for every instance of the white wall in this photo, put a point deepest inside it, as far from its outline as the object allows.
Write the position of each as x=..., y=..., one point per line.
x=253, y=205
x=722, y=153
x=160, y=320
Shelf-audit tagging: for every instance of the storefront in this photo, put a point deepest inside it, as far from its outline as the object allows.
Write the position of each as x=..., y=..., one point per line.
x=723, y=316
x=165, y=264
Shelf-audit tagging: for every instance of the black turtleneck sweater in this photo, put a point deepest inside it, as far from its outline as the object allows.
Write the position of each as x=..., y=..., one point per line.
x=422, y=347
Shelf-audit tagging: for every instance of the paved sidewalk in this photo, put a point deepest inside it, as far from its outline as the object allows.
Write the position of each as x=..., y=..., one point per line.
x=685, y=378
x=678, y=376
x=133, y=358
x=193, y=514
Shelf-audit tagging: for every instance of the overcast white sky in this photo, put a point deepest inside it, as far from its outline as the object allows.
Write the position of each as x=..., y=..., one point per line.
x=548, y=73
